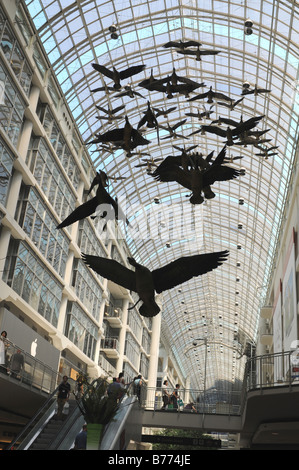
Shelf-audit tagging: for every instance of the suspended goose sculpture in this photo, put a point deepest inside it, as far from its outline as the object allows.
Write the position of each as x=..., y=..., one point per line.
x=197, y=179
x=125, y=137
x=89, y=207
x=145, y=282
x=116, y=75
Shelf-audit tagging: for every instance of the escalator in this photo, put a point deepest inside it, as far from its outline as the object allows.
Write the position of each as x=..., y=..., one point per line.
x=45, y=432
x=125, y=427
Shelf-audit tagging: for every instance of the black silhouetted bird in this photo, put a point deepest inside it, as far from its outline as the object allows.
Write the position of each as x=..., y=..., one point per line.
x=146, y=83
x=105, y=88
x=197, y=53
x=256, y=141
x=146, y=283
x=149, y=119
x=164, y=112
x=212, y=95
x=267, y=151
x=125, y=137
x=149, y=163
x=230, y=133
x=254, y=91
x=111, y=113
x=128, y=91
x=172, y=129
x=166, y=86
x=89, y=207
x=200, y=115
x=182, y=44
x=230, y=104
x=116, y=75
x=176, y=79
x=196, y=179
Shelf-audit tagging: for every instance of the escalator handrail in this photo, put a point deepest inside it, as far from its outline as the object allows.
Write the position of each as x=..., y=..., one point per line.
x=29, y=424
x=45, y=405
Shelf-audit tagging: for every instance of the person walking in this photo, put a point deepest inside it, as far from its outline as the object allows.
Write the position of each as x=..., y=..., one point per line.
x=63, y=396
x=165, y=395
x=16, y=364
x=137, y=386
x=175, y=396
x=81, y=439
x=3, y=348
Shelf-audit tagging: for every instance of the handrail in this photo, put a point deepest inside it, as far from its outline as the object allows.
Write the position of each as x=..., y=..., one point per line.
x=33, y=373
x=261, y=372
x=32, y=420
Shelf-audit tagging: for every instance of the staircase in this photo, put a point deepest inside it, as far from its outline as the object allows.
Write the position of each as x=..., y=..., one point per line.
x=51, y=430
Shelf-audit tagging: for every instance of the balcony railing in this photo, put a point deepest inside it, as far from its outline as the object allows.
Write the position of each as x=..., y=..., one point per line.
x=261, y=372
x=110, y=346
x=272, y=370
x=24, y=368
x=194, y=401
x=113, y=315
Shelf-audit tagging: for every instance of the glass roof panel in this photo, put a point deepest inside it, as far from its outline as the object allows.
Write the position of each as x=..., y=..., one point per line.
x=221, y=306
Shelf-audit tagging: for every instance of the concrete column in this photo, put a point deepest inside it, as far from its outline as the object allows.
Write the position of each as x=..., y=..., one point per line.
x=4, y=242
x=62, y=314
x=122, y=336
x=24, y=140
x=153, y=361
x=34, y=97
x=13, y=194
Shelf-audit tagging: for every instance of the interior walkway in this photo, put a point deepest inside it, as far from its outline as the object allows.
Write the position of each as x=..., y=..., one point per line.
x=270, y=418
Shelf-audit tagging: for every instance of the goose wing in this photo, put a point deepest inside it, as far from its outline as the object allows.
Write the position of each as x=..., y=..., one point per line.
x=219, y=173
x=183, y=269
x=111, y=270
x=81, y=212
x=173, y=173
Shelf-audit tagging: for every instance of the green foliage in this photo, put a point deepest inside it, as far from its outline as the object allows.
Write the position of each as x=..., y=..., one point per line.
x=171, y=432
x=97, y=406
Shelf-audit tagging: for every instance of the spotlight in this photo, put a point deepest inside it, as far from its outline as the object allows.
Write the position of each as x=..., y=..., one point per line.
x=113, y=32
x=241, y=201
x=248, y=27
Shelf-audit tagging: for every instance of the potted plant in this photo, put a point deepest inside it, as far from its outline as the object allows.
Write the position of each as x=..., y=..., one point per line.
x=98, y=409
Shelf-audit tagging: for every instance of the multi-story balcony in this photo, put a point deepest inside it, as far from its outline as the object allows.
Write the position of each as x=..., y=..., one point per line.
x=111, y=347
x=114, y=316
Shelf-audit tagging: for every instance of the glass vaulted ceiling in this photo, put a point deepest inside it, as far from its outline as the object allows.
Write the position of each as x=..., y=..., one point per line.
x=221, y=307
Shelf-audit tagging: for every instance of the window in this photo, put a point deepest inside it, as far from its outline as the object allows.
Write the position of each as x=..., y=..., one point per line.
x=27, y=276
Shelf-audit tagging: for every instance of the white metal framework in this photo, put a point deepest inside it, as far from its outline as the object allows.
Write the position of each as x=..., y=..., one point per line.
x=221, y=307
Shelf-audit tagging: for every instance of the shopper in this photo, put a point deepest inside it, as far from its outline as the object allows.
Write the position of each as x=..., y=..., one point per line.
x=81, y=439
x=175, y=396
x=3, y=348
x=165, y=395
x=115, y=389
x=16, y=364
x=63, y=396
x=137, y=386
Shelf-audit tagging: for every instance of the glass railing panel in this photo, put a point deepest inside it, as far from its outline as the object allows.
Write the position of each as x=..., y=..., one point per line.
x=24, y=368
